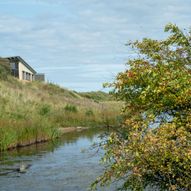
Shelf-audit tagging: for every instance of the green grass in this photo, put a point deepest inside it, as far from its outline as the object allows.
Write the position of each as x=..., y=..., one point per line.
x=32, y=112
x=97, y=96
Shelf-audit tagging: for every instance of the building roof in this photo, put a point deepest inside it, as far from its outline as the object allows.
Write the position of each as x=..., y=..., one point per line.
x=18, y=58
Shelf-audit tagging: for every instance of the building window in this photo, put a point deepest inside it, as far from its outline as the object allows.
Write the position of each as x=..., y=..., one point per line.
x=27, y=76
x=24, y=75
x=14, y=69
x=14, y=66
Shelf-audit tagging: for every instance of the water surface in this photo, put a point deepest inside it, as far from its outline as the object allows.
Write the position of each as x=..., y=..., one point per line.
x=68, y=165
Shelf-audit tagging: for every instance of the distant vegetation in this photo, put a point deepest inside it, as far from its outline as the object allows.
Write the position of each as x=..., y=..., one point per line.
x=32, y=112
x=97, y=96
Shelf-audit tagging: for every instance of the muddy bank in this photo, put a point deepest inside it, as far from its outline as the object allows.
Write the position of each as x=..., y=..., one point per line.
x=27, y=143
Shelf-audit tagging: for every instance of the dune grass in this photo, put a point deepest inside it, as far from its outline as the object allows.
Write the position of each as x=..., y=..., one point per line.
x=33, y=111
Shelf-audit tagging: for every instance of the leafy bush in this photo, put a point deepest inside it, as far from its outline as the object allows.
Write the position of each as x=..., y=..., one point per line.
x=153, y=146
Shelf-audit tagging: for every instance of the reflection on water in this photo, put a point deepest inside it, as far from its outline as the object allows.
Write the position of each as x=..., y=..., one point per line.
x=54, y=166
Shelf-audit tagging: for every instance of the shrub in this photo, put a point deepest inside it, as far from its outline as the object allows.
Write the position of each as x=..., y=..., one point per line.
x=45, y=109
x=153, y=146
x=89, y=113
x=70, y=108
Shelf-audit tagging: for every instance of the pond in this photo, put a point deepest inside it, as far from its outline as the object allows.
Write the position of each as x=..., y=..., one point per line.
x=67, y=165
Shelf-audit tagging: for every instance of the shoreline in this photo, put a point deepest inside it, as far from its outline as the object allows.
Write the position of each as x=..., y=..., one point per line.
x=61, y=130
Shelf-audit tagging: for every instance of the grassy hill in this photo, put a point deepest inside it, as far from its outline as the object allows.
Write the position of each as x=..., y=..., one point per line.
x=97, y=96
x=33, y=111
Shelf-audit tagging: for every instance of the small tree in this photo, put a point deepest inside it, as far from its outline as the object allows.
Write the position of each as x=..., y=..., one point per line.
x=153, y=146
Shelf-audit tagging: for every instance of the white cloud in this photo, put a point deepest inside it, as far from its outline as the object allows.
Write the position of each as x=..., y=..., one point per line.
x=9, y=24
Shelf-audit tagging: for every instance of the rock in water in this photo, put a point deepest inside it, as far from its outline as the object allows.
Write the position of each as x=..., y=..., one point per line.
x=23, y=167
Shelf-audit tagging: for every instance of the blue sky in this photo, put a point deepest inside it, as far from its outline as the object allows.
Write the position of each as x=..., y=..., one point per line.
x=80, y=44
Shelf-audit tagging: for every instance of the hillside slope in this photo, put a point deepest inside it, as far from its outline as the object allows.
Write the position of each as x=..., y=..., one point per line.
x=97, y=96
x=32, y=111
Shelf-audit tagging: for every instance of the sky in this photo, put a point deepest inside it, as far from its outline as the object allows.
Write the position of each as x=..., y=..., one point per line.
x=80, y=44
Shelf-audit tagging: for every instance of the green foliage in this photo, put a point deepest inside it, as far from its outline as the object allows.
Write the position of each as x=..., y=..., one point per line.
x=70, y=108
x=89, y=112
x=153, y=146
x=97, y=96
x=8, y=135
x=24, y=132
x=45, y=109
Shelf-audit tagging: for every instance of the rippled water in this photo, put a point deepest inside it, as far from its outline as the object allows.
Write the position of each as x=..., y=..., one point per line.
x=68, y=165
